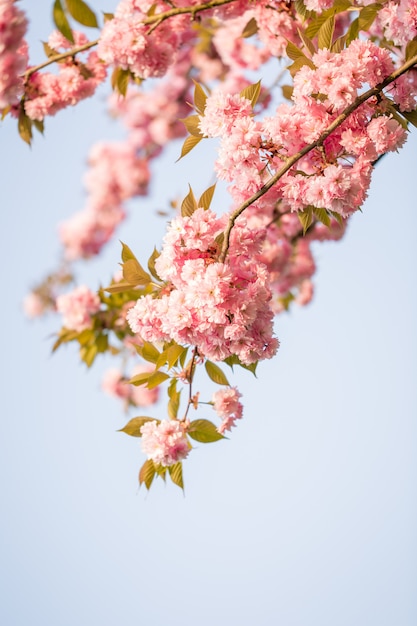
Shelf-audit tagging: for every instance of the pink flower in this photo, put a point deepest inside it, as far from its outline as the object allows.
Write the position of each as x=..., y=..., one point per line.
x=227, y=406
x=77, y=308
x=165, y=443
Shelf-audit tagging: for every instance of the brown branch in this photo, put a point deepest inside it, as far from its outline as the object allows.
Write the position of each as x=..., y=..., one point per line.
x=59, y=57
x=374, y=91
x=156, y=20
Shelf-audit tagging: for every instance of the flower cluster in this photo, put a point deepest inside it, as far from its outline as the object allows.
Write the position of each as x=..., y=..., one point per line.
x=77, y=308
x=222, y=308
x=48, y=93
x=127, y=43
x=227, y=406
x=165, y=443
x=13, y=53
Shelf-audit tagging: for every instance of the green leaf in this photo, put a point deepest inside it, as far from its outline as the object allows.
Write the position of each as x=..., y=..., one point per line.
x=88, y=354
x=353, y=32
x=127, y=253
x=299, y=63
x=411, y=49
x=162, y=359
x=175, y=472
x=204, y=431
x=367, y=15
x=148, y=352
x=325, y=34
x=174, y=405
x=250, y=29
x=119, y=287
x=293, y=51
x=102, y=342
x=156, y=379
x=82, y=13
x=147, y=473
x=322, y=216
x=120, y=80
x=140, y=379
x=191, y=123
x=306, y=218
x=206, y=197
x=301, y=9
x=134, y=274
x=410, y=116
x=134, y=425
x=307, y=42
x=200, y=98
x=189, y=204
x=287, y=91
x=24, y=126
x=61, y=21
x=337, y=217
x=188, y=145
x=252, y=93
x=151, y=263
x=216, y=374
x=173, y=354
x=339, y=44
x=49, y=52
x=65, y=336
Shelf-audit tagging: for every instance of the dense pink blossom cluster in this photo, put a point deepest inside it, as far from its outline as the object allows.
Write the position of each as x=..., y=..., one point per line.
x=116, y=173
x=115, y=384
x=77, y=308
x=13, y=52
x=165, y=442
x=222, y=308
x=227, y=405
x=335, y=177
x=48, y=93
x=130, y=44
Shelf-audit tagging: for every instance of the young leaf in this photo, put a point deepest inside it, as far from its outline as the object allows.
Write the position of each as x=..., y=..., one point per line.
x=322, y=216
x=188, y=145
x=192, y=125
x=200, y=98
x=107, y=17
x=250, y=29
x=174, y=404
x=151, y=263
x=156, y=379
x=411, y=49
x=306, y=218
x=287, y=91
x=88, y=354
x=325, y=34
x=119, y=287
x=175, y=472
x=61, y=21
x=307, y=42
x=133, y=427
x=252, y=93
x=49, y=52
x=24, y=126
x=206, y=197
x=216, y=374
x=189, y=204
x=134, y=274
x=411, y=116
x=147, y=473
x=293, y=52
x=148, y=352
x=367, y=15
x=298, y=64
x=120, y=80
x=204, y=431
x=173, y=354
x=82, y=13
x=140, y=379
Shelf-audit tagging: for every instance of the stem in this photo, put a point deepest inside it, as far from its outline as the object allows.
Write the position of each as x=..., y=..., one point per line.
x=190, y=390
x=59, y=57
x=374, y=91
x=156, y=19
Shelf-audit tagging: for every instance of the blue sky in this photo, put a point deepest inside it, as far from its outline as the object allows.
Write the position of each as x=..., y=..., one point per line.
x=306, y=516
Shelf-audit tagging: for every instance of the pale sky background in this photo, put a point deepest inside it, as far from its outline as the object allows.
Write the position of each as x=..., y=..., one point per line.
x=305, y=517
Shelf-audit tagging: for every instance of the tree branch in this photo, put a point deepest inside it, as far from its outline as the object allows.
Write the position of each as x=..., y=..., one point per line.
x=374, y=91
x=156, y=20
